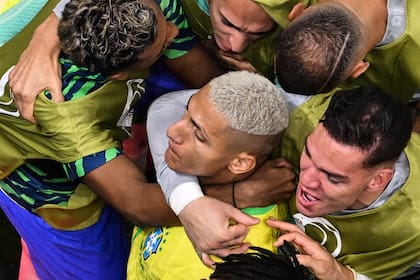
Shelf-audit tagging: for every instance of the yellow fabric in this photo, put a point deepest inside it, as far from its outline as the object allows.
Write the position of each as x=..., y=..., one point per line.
x=7, y=4
x=167, y=253
x=82, y=210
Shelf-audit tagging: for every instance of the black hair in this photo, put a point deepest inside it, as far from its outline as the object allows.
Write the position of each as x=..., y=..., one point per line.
x=262, y=264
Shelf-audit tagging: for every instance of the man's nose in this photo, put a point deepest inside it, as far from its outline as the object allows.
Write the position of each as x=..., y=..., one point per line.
x=175, y=133
x=310, y=178
x=238, y=41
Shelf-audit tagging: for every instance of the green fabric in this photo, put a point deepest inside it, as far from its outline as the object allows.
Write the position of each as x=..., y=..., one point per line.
x=280, y=9
x=66, y=131
x=395, y=67
x=302, y=121
x=259, y=53
x=384, y=242
x=380, y=243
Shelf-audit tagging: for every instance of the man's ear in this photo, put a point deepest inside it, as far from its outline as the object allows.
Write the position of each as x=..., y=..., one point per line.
x=296, y=11
x=380, y=180
x=359, y=69
x=120, y=76
x=242, y=163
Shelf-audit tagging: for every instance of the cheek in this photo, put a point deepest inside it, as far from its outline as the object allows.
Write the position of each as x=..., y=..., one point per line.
x=305, y=162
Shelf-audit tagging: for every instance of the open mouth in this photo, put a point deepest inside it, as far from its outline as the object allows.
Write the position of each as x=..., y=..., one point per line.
x=307, y=197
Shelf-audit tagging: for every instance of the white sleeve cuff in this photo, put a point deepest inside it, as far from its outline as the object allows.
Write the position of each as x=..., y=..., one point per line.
x=356, y=275
x=184, y=194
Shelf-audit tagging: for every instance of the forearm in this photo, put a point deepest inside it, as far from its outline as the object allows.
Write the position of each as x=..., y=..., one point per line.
x=196, y=68
x=237, y=195
x=120, y=183
x=221, y=192
x=272, y=183
x=46, y=36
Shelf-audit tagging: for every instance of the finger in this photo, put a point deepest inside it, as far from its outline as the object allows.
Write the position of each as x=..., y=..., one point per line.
x=236, y=240
x=284, y=227
x=241, y=218
x=235, y=250
x=227, y=55
x=305, y=244
x=55, y=87
x=307, y=261
x=56, y=94
x=26, y=109
x=232, y=62
x=208, y=261
x=231, y=250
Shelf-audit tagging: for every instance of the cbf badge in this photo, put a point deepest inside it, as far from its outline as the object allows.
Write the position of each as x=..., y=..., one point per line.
x=152, y=242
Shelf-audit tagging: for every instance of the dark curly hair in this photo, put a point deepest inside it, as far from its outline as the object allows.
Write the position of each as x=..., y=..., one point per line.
x=106, y=35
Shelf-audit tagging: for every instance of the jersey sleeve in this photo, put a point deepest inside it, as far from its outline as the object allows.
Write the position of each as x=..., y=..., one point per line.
x=83, y=166
x=179, y=188
x=185, y=40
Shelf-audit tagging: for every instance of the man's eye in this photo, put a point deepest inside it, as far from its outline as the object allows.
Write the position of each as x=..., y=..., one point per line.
x=333, y=180
x=226, y=22
x=199, y=136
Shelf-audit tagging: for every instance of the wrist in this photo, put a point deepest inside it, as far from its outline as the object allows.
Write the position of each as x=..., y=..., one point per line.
x=355, y=275
x=47, y=32
x=184, y=194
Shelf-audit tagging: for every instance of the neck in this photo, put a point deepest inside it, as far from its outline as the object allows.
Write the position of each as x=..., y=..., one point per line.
x=224, y=177
x=373, y=14
x=365, y=200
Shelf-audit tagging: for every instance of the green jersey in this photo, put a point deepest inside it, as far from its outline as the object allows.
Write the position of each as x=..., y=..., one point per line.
x=380, y=243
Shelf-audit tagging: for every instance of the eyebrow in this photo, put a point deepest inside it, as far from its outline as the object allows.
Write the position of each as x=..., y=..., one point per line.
x=230, y=24
x=337, y=176
x=192, y=120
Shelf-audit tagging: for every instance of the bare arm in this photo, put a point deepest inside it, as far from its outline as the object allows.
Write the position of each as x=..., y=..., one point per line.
x=38, y=69
x=123, y=185
x=272, y=183
x=194, y=69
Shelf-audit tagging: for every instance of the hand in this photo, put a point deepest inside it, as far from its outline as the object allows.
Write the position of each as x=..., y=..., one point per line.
x=215, y=227
x=272, y=183
x=312, y=254
x=227, y=60
x=38, y=69
x=235, y=61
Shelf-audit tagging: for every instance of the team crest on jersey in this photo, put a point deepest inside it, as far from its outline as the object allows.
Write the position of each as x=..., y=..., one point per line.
x=152, y=242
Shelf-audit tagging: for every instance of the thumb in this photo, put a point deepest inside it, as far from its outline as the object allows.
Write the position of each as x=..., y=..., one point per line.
x=55, y=86
x=242, y=218
x=55, y=91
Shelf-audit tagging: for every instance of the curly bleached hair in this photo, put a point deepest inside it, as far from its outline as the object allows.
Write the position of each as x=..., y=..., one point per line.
x=250, y=103
x=106, y=35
